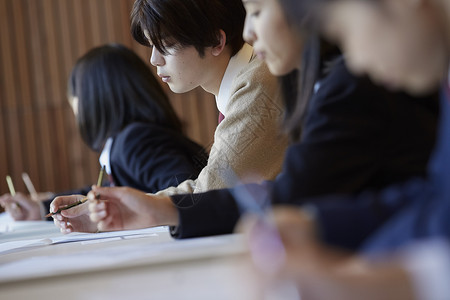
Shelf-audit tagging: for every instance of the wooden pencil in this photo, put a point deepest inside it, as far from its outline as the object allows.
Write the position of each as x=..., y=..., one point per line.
x=83, y=200
x=12, y=191
x=30, y=186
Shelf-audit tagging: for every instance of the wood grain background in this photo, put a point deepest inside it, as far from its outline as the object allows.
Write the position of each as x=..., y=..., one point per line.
x=39, y=42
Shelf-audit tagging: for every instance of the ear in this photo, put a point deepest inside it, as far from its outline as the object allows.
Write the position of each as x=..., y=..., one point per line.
x=218, y=49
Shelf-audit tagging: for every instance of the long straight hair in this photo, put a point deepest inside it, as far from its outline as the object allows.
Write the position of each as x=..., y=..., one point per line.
x=115, y=87
x=298, y=86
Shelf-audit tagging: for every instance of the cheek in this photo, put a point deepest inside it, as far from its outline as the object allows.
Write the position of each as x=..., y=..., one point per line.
x=176, y=68
x=283, y=64
x=269, y=31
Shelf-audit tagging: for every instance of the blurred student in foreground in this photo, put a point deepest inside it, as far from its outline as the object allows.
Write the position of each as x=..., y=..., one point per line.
x=122, y=112
x=405, y=45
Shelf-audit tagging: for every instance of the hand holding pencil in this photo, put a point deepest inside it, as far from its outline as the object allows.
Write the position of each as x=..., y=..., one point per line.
x=21, y=207
x=68, y=213
x=79, y=201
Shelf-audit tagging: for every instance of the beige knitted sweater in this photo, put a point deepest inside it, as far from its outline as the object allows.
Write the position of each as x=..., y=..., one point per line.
x=248, y=144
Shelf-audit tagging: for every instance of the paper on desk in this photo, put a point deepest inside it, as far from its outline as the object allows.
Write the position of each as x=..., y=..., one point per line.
x=13, y=245
x=5, y=218
x=127, y=254
x=81, y=237
x=10, y=229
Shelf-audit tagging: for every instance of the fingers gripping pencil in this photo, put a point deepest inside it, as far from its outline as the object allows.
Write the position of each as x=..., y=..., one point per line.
x=81, y=201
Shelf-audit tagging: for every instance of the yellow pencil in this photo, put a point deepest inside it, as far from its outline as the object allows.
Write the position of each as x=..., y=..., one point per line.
x=83, y=200
x=100, y=176
x=12, y=191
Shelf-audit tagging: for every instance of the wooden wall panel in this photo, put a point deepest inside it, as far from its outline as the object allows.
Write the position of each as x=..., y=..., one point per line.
x=40, y=41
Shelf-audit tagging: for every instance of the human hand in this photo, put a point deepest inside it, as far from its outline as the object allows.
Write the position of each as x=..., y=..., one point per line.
x=286, y=252
x=122, y=208
x=291, y=227
x=21, y=207
x=72, y=219
x=313, y=271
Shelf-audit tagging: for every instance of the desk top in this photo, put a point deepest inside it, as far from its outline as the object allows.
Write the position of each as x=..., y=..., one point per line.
x=147, y=265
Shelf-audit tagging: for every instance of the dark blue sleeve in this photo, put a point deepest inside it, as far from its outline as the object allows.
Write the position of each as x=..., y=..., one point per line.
x=428, y=213
x=216, y=211
x=348, y=221
x=399, y=214
x=210, y=213
x=425, y=218
x=151, y=158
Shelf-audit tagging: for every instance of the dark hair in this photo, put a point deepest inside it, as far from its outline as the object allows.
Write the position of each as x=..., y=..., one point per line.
x=115, y=87
x=185, y=23
x=317, y=56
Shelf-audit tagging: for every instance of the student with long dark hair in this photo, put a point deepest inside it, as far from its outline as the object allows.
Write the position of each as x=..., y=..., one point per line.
x=354, y=135
x=122, y=112
x=416, y=209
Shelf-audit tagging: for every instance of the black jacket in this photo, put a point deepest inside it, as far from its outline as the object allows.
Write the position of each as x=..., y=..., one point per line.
x=151, y=158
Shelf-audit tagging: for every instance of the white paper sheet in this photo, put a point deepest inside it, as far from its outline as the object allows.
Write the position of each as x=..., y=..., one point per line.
x=79, y=237
x=9, y=246
x=14, y=245
x=27, y=230
x=128, y=254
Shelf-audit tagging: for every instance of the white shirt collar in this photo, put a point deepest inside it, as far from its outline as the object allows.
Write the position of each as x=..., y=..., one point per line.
x=105, y=156
x=236, y=64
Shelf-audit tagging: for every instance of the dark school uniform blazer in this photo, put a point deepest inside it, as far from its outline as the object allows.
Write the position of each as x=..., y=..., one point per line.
x=356, y=136
x=151, y=157
x=411, y=212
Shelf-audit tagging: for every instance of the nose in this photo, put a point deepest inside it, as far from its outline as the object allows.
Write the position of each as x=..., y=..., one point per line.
x=249, y=33
x=157, y=59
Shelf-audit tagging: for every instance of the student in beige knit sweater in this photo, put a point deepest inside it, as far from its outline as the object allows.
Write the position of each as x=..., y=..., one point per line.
x=207, y=49
x=204, y=47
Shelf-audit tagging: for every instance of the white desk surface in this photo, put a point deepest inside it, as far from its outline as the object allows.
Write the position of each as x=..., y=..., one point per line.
x=147, y=266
